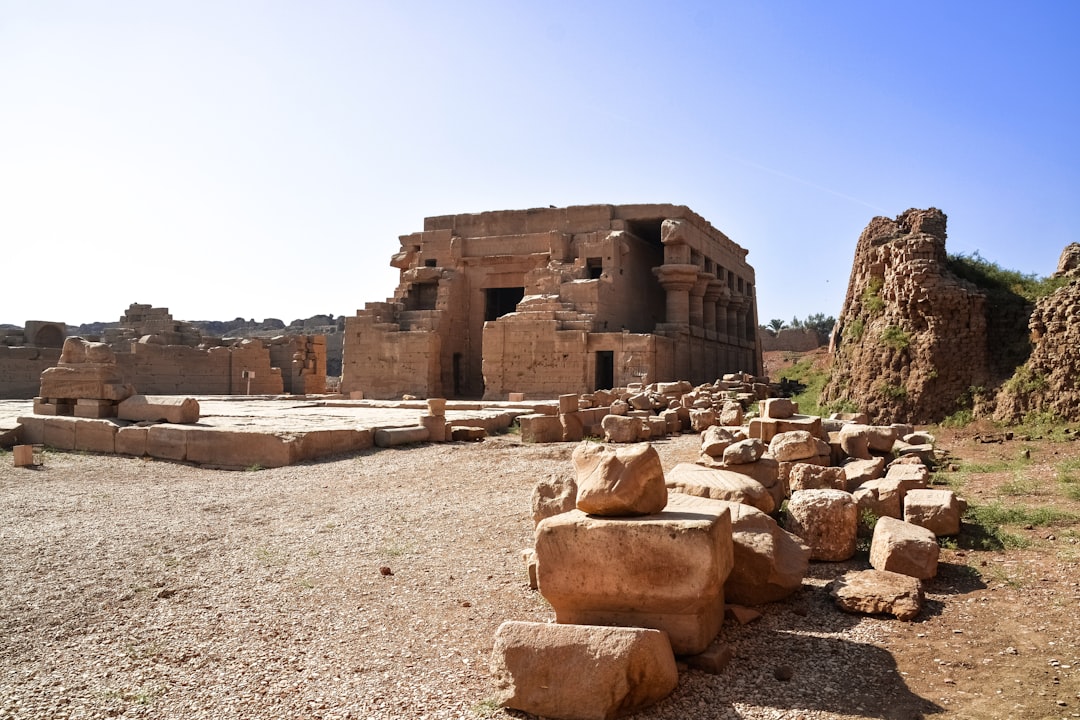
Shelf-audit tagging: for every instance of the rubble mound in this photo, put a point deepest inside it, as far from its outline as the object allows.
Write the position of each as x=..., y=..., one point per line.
x=912, y=339
x=1050, y=379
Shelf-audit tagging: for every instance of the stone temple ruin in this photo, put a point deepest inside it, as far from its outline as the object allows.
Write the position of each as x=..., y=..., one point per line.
x=556, y=300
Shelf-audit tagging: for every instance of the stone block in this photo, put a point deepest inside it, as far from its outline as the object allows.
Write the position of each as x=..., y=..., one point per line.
x=579, y=671
x=436, y=406
x=812, y=476
x=537, y=428
x=702, y=419
x=664, y=571
x=59, y=433
x=793, y=445
x=573, y=430
x=467, y=433
x=936, y=510
x=96, y=436
x=53, y=407
x=744, y=451
x=827, y=520
x=616, y=482
x=858, y=472
x=168, y=442
x=391, y=437
x=855, y=441
x=904, y=548
x=915, y=475
x=32, y=430
x=131, y=440
x=881, y=438
x=86, y=408
x=878, y=591
x=778, y=408
x=621, y=428
x=23, y=455
x=159, y=408
x=718, y=484
x=435, y=426
x=231, y=449
x=767, y=472
x=568, y=404
x=765, y=429
x=658, y=427
x=92, y=381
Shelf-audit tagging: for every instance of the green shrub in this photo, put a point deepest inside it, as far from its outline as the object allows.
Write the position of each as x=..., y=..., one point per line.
x=872, y=301
x=855, y=330
x=892, y=392
x=895, y=337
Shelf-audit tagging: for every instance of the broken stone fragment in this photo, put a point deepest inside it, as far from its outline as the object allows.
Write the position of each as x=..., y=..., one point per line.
x=901, y=547
x=619, y=481
x=878, y=591
x=827, y=520
x=718, y=484
x=581, y=672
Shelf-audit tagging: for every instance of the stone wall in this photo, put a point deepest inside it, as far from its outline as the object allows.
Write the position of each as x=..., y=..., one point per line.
x=912, y=339
x=21, y=368
x=791, y=340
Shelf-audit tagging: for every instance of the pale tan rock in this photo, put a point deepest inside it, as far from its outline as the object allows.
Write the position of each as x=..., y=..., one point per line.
x=744, y=451
x=717, y=484
x=936, y=510
x=552, y=495
x=573, y=427
x=621, y=428
x=767, y=472
x=767, y=428
x=880, y=438
x=778, y=408
x=731, y=414
x=621, y=481
x=855, y=441
x=811, y=476
x=904, y=548
x=714, y=660
x=581, y=672
x=913, y=474
x=392, y=437
x=665, y=571
x=159, y=408
x=715, y=440
x=827, y=520
x=878, y=591
x=793, y=445
x=858, y=472
x=435, y=426
x=700, y=420
x=769, y=562
x=98, y=382
x=540, y=428
x=919, y=438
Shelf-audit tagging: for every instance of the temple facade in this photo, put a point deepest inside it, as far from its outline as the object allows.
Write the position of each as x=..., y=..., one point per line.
x=556, y=300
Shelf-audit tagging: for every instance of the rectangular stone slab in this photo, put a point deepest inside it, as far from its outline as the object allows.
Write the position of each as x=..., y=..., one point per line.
x=664, y=571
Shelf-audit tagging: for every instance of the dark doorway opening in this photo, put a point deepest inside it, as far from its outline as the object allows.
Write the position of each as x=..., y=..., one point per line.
x=605, y=370
x=500, y=301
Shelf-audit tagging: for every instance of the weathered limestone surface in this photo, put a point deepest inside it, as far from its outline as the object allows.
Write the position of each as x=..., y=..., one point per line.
x=553, y=495
x=827, y=520
x=806, y=476
x=936, y=510
x=717, y=484
x=878, y=591
x=581, y=672
x=664, y=571
x=617, y=481
x=793, y=445
x=904, y=548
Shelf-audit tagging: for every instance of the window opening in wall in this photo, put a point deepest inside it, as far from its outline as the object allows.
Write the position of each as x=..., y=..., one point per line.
x=500, y=301
x=605, y=370
x=595, y=267
x=431, y=262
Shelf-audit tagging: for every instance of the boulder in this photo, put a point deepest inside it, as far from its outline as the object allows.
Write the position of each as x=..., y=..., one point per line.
x=855, y=441
x=904, y=548
x=731, y=414
x=665, y=571
x=880, y=438
x=938, y=511
x=878, y=591
x=619, y=481
x=719, y=484
x=859, y=472
x=744, y=451
x=715, y=440
x=793, y=445
x=581, y=672
x=827, y=520
x=702, y=419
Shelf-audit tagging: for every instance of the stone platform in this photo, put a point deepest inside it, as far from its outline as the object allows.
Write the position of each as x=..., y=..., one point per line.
x=241, y=432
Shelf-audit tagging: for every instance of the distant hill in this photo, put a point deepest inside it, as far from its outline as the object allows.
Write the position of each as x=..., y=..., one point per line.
x=239, y=327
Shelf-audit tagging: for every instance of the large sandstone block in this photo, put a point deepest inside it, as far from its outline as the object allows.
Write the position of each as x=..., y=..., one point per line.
x=718, y=484
x=59, y=432
x=619, y=481
x=766, y=429
x=827, y=520
x=392, y=437
x=581, y=672
x=767, y=472
x=702, y=419
x=159, y=408
x=810, y=476
x=904, y=548
x=621, y=428
x=855, y=441
x=778, y=408
x=744, y=451
x=553, y=495
x=769, y=562
x=936, y=510
x=168, y=442
x=858, y=472
x=96, y=436
x=538, y=428
x=96, y=382
x=880, y=438
x=664, y=571
x=131, y=440
x=237, y=449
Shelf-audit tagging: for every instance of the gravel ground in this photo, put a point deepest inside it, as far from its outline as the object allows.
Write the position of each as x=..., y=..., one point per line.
x=367, y=586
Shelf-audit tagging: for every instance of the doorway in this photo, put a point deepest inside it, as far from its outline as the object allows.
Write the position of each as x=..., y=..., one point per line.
x=604, y=378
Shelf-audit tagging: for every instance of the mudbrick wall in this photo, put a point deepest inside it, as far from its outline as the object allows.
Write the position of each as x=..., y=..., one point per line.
x=914, y=341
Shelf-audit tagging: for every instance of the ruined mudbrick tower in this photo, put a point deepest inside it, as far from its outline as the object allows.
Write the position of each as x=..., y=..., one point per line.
x=556, y=300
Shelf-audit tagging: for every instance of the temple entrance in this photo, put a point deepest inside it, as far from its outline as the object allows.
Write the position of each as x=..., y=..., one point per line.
x=604, y=377
x=500, y=301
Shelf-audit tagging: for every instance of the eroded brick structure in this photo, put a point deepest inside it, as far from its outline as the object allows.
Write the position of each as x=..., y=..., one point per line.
x=556, y=300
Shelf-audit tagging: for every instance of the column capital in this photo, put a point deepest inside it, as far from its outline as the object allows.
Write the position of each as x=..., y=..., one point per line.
x=676, y=277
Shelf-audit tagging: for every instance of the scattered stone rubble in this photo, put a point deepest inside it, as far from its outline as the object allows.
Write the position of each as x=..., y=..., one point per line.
x=619, y=543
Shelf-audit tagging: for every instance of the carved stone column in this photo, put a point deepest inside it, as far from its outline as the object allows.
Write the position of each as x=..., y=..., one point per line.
x=713, y=293
x=697, y=299
x=677, y=280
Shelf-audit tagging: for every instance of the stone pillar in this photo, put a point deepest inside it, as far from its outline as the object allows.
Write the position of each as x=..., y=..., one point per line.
x=733, y=320
x=697, y=299
x=677, y=280
x=713, y=293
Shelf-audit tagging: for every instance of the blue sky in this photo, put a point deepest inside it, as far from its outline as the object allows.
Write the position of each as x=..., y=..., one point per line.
x=260, y=159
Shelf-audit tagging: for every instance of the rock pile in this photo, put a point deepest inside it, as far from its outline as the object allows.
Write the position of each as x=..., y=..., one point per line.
x=619, y=544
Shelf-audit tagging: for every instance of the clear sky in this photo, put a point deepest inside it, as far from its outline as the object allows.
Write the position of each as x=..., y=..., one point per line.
x=260, y=159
